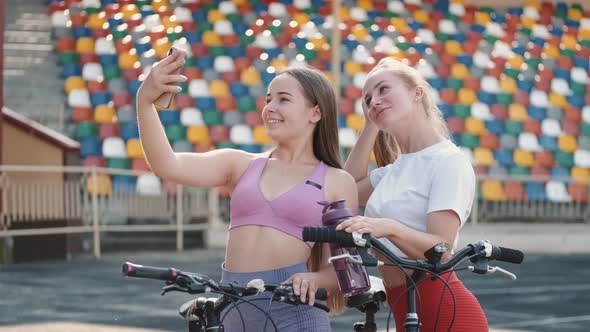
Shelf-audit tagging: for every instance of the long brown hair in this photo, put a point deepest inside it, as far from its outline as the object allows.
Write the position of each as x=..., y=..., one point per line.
x=318, y=90
x=386, y=148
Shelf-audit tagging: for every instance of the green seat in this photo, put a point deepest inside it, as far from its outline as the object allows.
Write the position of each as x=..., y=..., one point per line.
x=216, y=51
x=119, y=163
x=246, y=104
x=490, y=39
x=175, y=132
x=184, y=87
x=310, y=10
x=141, y=3
x=469, y=140
x=504, y=98
x=205, y=26
x=578, y=88
x=174, y=36
x=585, y=128
x=518, y=170
x=564, y=159
x=93, y=10
x=512, y=72
x=247, y=40
x=111, y=71
x=309, y=55
x=227, y=145
x=67, y=58
x=403, y=45
x=120, y=32
x=454, y=83
x=525, y=31
x=462, y=111
x=533, y=62
x=212, y=118
x=208, y=7
x=234, y=17
x=584, y=43
x=86, y=129
x=275, y=29
x=442, y=37
x=513, y=127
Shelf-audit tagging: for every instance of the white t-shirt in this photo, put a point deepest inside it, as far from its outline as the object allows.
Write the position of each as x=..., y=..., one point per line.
x=436, y=178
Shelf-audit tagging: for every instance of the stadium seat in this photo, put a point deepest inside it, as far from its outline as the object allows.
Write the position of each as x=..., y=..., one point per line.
x=483, y=156
x=79, y=98
x=557, y=192
x=134, y=149
x=551, y=128
x=198, y=133
x=582, y=158
x=528, y=142
x=492, y=190
x=103, y=184
x=241, y=134
x=113, y=147
x=148, y=184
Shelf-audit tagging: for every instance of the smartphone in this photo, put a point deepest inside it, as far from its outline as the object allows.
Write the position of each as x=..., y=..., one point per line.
x=165, y=99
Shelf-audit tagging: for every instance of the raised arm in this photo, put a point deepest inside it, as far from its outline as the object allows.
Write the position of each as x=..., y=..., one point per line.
x=210, y=169
x=357, y=163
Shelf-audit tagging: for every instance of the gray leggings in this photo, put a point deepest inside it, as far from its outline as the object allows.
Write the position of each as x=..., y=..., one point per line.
x=287, y=317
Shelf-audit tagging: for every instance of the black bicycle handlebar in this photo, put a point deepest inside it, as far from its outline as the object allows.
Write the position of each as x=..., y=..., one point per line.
x=507, y=255
x=149, y=272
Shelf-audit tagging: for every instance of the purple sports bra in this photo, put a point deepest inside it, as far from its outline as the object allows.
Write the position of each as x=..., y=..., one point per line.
x=289, y=213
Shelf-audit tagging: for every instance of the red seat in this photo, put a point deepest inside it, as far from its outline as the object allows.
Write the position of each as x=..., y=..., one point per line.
x=65, y=44
x=188, y=26
x=231, y=76
x=124, y=45
x=253, y=119
x=242, y=64
x=573, y=114
x=480, y=170
x=578, y=192
x=571, y=128
x=122, y=98
x=532, y=126
x=184, y=101
x=140, y=164
x=88, y=58
x=499, y=111
x=96, y=86
x=489, y=141
x=231, y=40
x=219, y=134
x=545, y=158
x=346, y=106
x=521, y=97
x=95, y=161
x=82, y=114
x=131, y=74
x=540, y=174
x=225, y=104
x=192, y=73
x=203, y=147
x=353, y=92
x=456, y=125
x=109, y=130
x=448, y=96
x=514, y=191
x=472, y=83
x=199, y=50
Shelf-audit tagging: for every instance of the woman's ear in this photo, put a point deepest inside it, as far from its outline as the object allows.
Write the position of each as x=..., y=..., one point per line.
x=316, y=114
x=419, y=93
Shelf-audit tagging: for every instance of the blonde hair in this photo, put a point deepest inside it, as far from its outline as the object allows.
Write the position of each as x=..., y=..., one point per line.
x=386, y=148
x=336, y=301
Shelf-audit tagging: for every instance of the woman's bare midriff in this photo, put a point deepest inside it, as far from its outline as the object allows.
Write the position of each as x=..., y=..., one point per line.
x=254, y=248
x=392, y=275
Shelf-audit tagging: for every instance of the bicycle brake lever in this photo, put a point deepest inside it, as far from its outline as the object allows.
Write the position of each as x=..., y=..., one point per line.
x=172, y=287
x=355, y=259
x=493, y=269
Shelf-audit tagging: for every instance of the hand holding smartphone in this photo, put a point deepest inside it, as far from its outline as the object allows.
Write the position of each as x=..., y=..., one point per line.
x=165, y=99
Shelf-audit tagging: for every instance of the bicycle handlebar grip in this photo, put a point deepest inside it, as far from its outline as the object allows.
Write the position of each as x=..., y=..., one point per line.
x=329, y=235
x=150, y=272
x=507, y=255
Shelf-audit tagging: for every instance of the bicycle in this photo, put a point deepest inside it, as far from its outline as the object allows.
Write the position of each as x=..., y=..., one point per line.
x=479, y=253
x=205, y=314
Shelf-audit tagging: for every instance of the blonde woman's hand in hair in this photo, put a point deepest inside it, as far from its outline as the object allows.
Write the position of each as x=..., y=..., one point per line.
x=162, y=79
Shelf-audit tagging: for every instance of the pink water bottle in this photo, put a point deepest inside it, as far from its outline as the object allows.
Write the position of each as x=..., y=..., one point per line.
x=353, y=278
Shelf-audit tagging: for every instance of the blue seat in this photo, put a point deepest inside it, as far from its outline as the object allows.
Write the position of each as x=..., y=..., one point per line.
x=100, y=98
x=315, y=3
x=267, y=77
x=236, y=51
x=71, y=69
x=110, y=59
x=561, y=73
x=548, y=143
x=459, y=37
x=80, y=32
x=572, y=23
x=193, y=37
x=129, y=130
x=538, y=41
x=504, y=157
x=582, y=63
x=420, y=47
x=442, y=6
x=520, y=50
x=350, y=43
x=146, y=11
x=133, y=86
x=525, y=85
x=90, y=146
x=141, y=48
x=318, y=20
x=437, y=83
x=123, y=183
x=415, y=25
x=495, y=126
x=535, y=191
x=252, y=148
x=115, y=21
x=486, y=97
x=478, y=28
x=465, y=59
x=168, y=117
x=341, y=121
x=274, y=52
x=515, y=11
x=446, y=110
x=300, y=42
x=259, y=8
x=240, y=28
x=376, y=33
x=559, y=171
x=576, y=101
x=500, y=19
x=238, y=89
x=204, y=62
x=556, y=31
x=536, y=113
x=199, y=15
x=455, y=138
x=372, y=14
x=205, y=103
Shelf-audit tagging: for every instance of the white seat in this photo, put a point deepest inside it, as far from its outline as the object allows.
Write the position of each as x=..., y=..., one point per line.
x=265, y=40
x=585, y=23
x=309, y=30
x=148, y=184
x=396, y=7
x=426, y=70
x=182, y=146
x=557, y=192
x=79, y=98
x=529, y=142
x=427, y=36
x=586, y=113
x=468, y=154
x=92, y=71
x=277, y=9
x=104, y=46
x=531, y=12
x=358, y=14
x=91, y=3
x=60, y=19
x=539, y=98
x=190, y=116
x=414, y=2
x=447, y=26
x=198, y=88
x=151, y=22
x=182, y=44
x=551, y=127
x=490, y=84
x=582, y=158
x=560, y=86
x=495, y=30
x=502, y=50
x=481, y=111
x=223, y=27
x=347, y=137
x=183, y=14
x=227, y=7
x=457, y=9
x=241, y=134
x=359, y=80
x=385, y=44
x=540, y=31
x=302, y=4
x=579, y=75
x=480, y=59
x=361, y=55
x=223, y=64
x=114, y=147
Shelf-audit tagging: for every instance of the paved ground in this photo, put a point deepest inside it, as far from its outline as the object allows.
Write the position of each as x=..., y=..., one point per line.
x=552, y=293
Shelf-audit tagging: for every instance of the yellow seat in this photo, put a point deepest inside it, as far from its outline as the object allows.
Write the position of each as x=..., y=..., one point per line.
x=421, y=16
x=279, y=64
x=508, y=84
x=466, y=96
x=482, y=18
x=74, y=83
x=239, y=2
x=161, y=47
x=250, y=76
x=97, y=21
x=134, y=149
x=581, y=175
x=198, y=134
x=344, y=13
x=583, y=34
x=128, y=60
x=557, y=100
x=170, y=23
x=129, y=10
x=569, y=41
x=157, y=4
x=400, y=24
x=105, y=114
x=261, y=136
x=359, y=32
x=301, y=18
x=453, y=47
x=492, y=190
x=575, y=14
x=352, y=68
x=365, y=4
x=218, y=88
x=515, y=61
x=355, y=121
x=459, y=71
x=85, y=45
x=103, y=184
x=517, y=112
x=484, y=157
x=215, y=15
x=551, y=51
x=567, y=143
x=528, y=22
x=318, y=42
x=524, y=158
x=211, y=38
x=475, y=126
x=533, y=4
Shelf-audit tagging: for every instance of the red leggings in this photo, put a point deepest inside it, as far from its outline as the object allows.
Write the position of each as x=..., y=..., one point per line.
x=469, y=316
